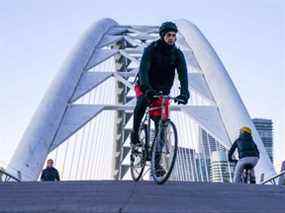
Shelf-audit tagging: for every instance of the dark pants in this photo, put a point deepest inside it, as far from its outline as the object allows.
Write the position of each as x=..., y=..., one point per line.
x=139, y=111
x=142, y=104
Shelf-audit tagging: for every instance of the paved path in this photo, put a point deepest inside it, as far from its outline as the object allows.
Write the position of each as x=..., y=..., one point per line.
x=142, y=197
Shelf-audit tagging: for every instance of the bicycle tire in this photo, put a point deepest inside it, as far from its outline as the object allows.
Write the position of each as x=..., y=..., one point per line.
x=164, y=178
x=136, y=175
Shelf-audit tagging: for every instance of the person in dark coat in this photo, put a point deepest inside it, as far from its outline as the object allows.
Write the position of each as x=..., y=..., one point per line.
x=160, y=60
x=156, y=73
x=50, y=173
x=248, y=154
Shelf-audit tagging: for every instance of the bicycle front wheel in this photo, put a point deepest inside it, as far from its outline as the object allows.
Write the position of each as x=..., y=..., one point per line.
x=164, y=152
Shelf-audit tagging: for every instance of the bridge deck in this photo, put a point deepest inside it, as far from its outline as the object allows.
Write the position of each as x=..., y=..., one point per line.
x=143, y=197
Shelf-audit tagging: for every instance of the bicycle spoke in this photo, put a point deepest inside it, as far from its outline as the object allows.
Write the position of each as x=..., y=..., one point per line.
x=138, y=156
x=164, y=154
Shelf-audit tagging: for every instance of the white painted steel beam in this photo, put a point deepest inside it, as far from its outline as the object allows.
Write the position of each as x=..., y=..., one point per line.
x=208, y=118
x=76, y=116
x=109, y=39
x=99, y=56
x=89, y=81
x=198, y=83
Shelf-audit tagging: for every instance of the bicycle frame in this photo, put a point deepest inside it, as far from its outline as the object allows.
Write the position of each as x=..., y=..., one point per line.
x=246, y=174
x=152, y=148
x=162, y=119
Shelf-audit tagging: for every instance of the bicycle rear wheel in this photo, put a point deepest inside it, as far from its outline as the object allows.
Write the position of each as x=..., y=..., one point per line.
x=164, y=152
x=138, y=155
x=245, y=176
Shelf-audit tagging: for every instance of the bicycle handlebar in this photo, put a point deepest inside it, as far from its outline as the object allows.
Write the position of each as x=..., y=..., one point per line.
x=175, y=99
x=165, y=97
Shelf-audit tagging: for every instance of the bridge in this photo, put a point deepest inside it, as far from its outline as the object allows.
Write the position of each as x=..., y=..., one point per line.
x=144, y=197
x=84, y=122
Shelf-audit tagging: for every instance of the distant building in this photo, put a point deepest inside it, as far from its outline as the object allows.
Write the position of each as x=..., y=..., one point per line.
x=208, y=144
x=185, y=168
x=204, y=165
x=221, y=171
x=265, y=130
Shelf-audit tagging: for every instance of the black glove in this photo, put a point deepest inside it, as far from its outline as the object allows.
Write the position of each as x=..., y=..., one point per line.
x=149, y=94
x=181, y=99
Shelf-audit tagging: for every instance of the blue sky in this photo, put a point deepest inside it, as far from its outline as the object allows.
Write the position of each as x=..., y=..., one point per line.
x=36, y=37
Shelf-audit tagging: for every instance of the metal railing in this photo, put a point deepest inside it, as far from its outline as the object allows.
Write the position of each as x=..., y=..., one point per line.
x=6, y=177
x=275, y=180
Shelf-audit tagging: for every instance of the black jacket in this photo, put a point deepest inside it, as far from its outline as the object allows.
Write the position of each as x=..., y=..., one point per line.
x=157, y=68
x=246, y=147
x=50, y=174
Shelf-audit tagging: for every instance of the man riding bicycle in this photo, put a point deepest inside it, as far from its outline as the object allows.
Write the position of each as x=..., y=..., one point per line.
x=248, y=154
x=157, y=72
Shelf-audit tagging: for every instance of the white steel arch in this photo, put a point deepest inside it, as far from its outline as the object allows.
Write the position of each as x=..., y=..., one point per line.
x=58, y=117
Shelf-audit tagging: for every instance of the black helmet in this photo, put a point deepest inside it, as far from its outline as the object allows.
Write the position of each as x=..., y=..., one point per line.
x=167, y=27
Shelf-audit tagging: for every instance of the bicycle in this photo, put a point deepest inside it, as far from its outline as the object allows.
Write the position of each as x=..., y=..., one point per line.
x=247, y=176
x=161, y=151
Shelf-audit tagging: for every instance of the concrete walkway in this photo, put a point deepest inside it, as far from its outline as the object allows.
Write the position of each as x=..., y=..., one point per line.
x=143, y=197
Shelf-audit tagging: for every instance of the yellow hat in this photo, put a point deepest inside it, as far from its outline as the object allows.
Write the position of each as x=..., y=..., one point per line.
x=246, y=129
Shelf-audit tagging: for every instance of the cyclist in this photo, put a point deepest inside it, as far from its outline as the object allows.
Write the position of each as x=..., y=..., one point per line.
x=248, y=154
x=157, y=72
